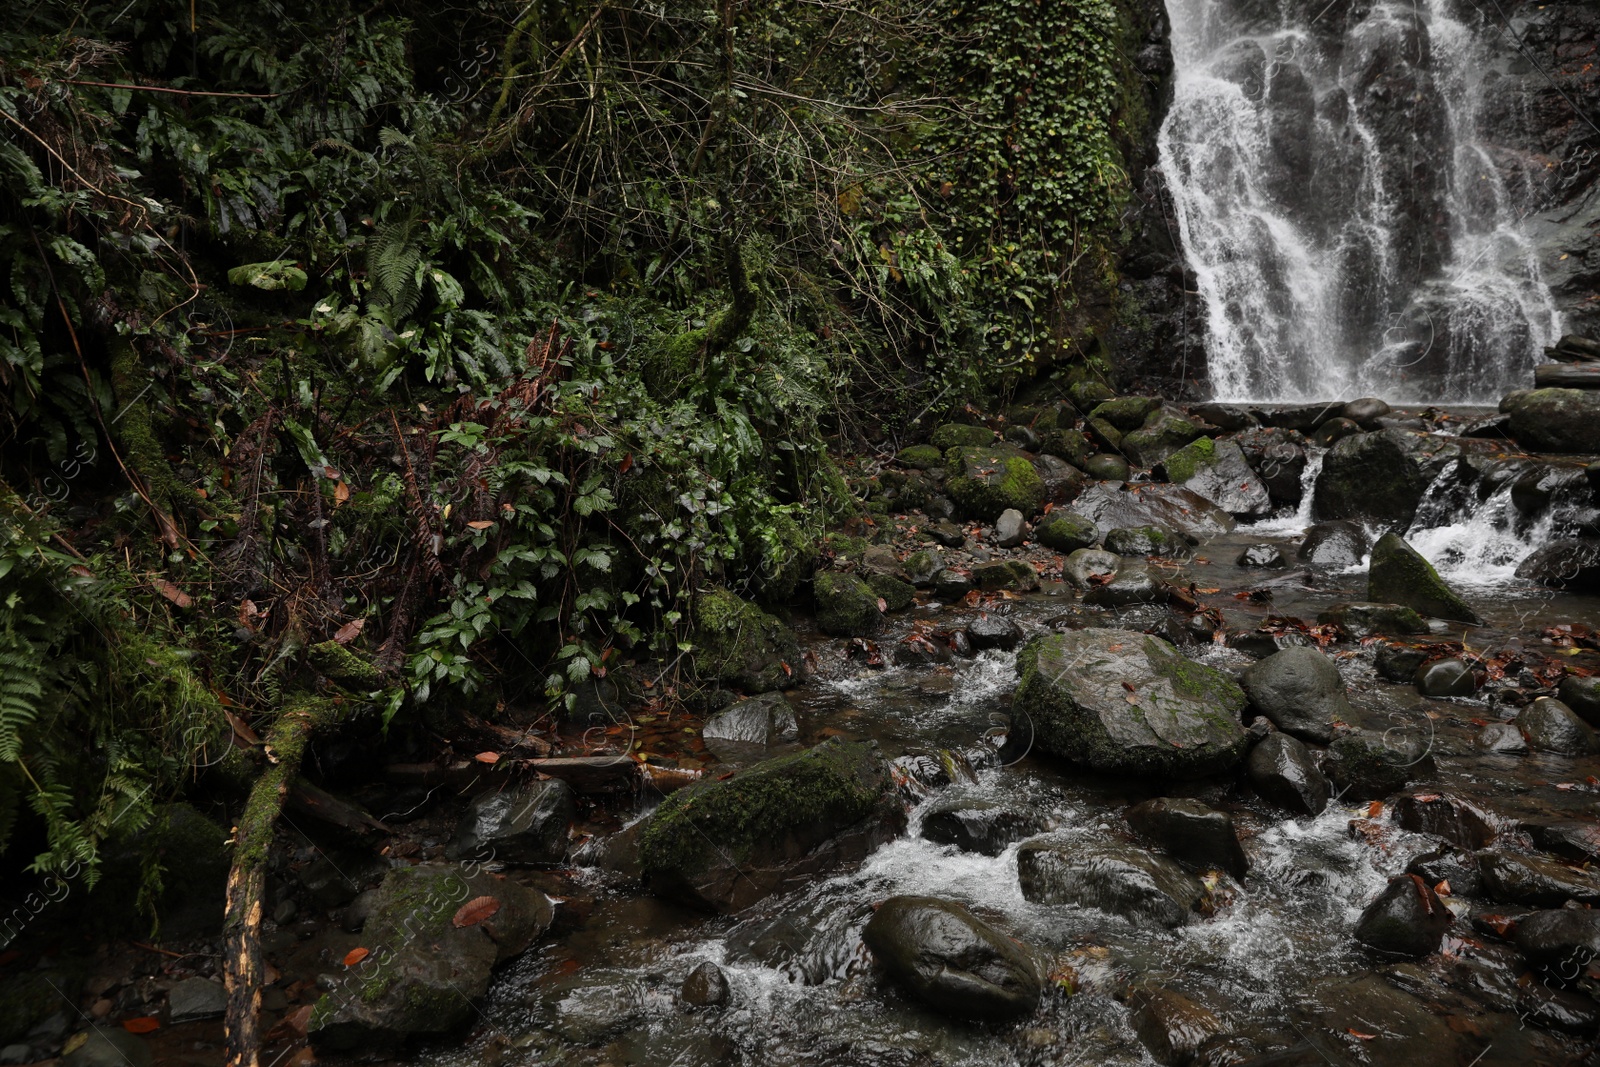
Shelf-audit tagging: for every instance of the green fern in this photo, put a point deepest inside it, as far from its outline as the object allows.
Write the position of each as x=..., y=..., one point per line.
x=394, y=266
x=21, y=689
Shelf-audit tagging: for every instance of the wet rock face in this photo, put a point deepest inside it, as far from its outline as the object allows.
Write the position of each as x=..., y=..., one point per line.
x=1454, y=820
x=1555, y=420
x=1379, y=478
x=979, y=826
x=956, y=963
x=1445, y=678
x=1399, y=574
x=1197, y=836
x=1514, y=878
x=426, y=967
x=1407, y=919
x=1563, y=938
x=754, y=724
x=1138, y=886
x=521, y=825
x=1169, y=1024
x=1283, y=772
x=1278, y=457
x=721, y=845
x=1369, y=766
x=1337, y=545
x=1548, y=725
x=1117, y=700
x=1363, y=618
x=1300, y=690
x=1218, y=471
x=706, y=986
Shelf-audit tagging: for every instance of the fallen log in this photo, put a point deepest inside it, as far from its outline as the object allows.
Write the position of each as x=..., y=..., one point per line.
x=1567, y=376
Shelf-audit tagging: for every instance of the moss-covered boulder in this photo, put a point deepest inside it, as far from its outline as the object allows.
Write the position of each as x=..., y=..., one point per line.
x=1087, y=393
x=1555, y=420
x=920, y=457
x=1126, y=412
x=787, y=562
x=738, y=644
x=1400, y=575
x=960, y=435
x=1362, y=618
x=1127, y=702
x=435, y=934
x=1163, y=433
x=1103, y=435
x=1218, y=471
x=896, y=593
x=1066, y=531
x=1009, y=574
x=722, y=845
x=984, y=482
x=1145, y=541
x=1065, y=442
x=846, y=605
x=1379, y=478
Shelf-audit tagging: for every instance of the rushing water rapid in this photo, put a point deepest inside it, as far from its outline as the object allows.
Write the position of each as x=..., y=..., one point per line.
x=1349, y=230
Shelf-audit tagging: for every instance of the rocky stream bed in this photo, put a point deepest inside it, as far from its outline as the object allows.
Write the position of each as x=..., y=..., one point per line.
x=1117, y=733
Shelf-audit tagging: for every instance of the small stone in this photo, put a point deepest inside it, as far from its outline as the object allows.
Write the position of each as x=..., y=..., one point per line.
x=761, y=721
x=1501, y=737
x=1407, y=919
x=706, y=986
x=1140, y=887
x=994, y=631
x=285, y=911
x=1562, y=937
x=194, y=999
x=1066, y=531
x=16, y=1054
x=1451, y=818
x=519, y=825
x=1447, y=865
x=948, y=534
x=1008, y=528
x=951, y=585
x=1445, y=678
x=1260, y=556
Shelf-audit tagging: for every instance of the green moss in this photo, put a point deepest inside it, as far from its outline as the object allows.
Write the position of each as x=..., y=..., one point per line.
x=1399, y=574
x=1192, y=679
x=790, y=561
x=758, y=807
x=960, y=435
x=846, y=605
x=1087, y=393
x=1012, y=574
x=1065, y=443
x=343, y=667
x=1066, y=531
x=897, y=595
x=1187, y=461
x=1162, y=434
x=845, y=546
x=987, y=481
x=739, y=644
x=1127, y=412
x=919, y=457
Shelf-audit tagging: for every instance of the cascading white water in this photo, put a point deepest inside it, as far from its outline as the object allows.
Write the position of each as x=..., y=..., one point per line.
x=1349, y=231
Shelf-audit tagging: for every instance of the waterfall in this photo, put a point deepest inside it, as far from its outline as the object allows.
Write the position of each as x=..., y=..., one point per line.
x=1349, y=230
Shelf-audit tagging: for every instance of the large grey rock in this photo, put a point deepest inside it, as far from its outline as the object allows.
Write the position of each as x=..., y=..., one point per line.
x=1300, y=690
x=1196, y=835
x=1117, y=700
x=1173, y=507
x=1164, y=431
x=1140, y=887
x=1538, y=881
x=1568, y=937
x=1008, y=528
x=194, y=999
x=1379, y=478
x=1367, y=765
x=1548, y=725
x=752, y=725
x=1570, y=564
x=1337, y=544
x=429, y=962
x=526, y=824
x=1218, y=471
x=1399, y=574
x=1555, y=420
x=1283, y=772
x=723, y=844
x=951, y=960
x=1278, y=457
x=1407, y=919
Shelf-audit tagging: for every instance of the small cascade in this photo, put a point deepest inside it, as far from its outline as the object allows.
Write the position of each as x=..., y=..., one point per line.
x=1349, y=227
x=1476, y=536
x=1290, y=522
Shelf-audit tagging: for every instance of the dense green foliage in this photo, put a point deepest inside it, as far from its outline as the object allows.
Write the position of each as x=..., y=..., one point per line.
x=478, y=340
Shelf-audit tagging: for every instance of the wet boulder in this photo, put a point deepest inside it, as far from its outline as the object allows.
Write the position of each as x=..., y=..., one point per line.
x=1562, y=938
x=1127, y=412
x=1137, y=885
x=723, y=844
x=1009, y=528
x=1555, y=420
x=1117, y=700
x=1337, y=545
x=951, y=960
x=1576, y=839
x=1537, y=881
x=751, y=726
x=1260, y=556
x=1366, y=411
x=526, y=824
x=1088, y=567
x=982, y=826
x=1445, y=678
x=1283, y=772
x=1196, y=835
x=1164, y=432
x=1010, y=574
x=1062, y=481
x=1447, y=866
x=1398, y=663
x=1379, y=478
x=435, y=935
x=1548, y=725
x=1169, y=1024
x=1458, y=822
x=920, y=457
x=705, y=986
x=1363, y=618
x=740, y=645
x=1568, y=564
x=984, y=482
x=1218, y=471
x=922, y=566
x=950, y=584
x=993, y=631
x=1407, y=919
x=1133, y=583
x=846, y=605
x=1105, y=467
x=1300, y=690
x=1066, y=531
x=894, y=594
x=1582, y=695
x=1172, y=507
x=1399, y=574
x=1368, y=765
x=1278, y=458
x=1065, y=443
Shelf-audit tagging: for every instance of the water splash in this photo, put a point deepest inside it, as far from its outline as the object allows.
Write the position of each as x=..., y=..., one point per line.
x=1349, y=230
